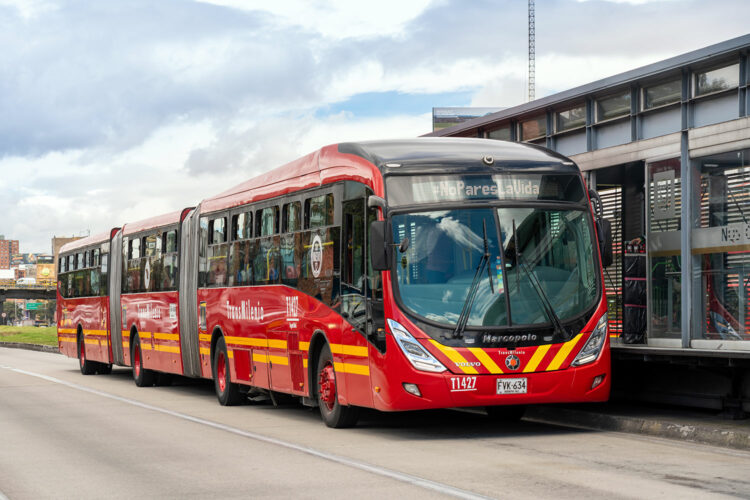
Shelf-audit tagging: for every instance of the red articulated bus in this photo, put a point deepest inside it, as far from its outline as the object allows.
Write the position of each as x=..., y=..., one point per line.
x=396, y=275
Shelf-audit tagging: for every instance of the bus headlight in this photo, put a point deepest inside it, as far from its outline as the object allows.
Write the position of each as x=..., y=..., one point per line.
x=594, y=345
x=414, y=352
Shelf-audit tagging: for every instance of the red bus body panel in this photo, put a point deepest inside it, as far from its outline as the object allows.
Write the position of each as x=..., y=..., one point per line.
x=91, y=316
x=154, y=316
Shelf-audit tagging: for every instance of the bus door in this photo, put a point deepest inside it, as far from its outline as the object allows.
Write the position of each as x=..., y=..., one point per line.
x=355, y=303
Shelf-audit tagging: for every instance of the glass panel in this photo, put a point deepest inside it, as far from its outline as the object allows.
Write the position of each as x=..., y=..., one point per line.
x=267, y=221
x=149, y=245
x=218, y=230
x=502, y=133
x=135, y=248
x=613, y=107
x=436, y=273
x=571, y=118
x=534, y=128
x=722, y=239
x=662, y=94
x=717, y=79
x=292, y=217
x=171, y=245
x=320, y=211
x=664, y=206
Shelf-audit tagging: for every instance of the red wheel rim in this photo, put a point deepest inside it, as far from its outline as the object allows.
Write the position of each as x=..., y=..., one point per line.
x=327, y=386
x=137, y=360
x=221, y=371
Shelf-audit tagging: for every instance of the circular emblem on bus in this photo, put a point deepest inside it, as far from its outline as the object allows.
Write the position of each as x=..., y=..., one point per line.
x=316, y=256
x=512, y=362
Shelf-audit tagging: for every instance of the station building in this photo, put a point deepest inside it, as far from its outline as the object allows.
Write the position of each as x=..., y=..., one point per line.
x=667, y=146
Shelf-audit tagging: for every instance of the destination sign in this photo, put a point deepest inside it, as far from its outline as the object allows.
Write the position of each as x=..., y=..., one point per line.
x=407, y=190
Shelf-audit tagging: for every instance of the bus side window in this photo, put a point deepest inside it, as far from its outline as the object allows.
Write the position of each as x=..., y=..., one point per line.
x=203, y=252
x=218, y=252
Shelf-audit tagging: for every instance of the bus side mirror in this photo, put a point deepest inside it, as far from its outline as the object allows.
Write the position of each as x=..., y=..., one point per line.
x=378, y=249
x=604, y=233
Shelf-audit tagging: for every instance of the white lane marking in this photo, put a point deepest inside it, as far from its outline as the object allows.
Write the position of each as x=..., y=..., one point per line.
x=3, y=497
x=374, y=469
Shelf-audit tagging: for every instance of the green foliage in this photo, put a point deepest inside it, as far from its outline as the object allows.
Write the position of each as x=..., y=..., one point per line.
x=29, y=334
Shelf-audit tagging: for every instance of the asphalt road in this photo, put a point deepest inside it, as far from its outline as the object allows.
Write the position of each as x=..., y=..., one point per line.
x=63, y=435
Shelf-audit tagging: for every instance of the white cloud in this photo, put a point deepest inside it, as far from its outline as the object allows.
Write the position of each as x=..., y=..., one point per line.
x=337, y=19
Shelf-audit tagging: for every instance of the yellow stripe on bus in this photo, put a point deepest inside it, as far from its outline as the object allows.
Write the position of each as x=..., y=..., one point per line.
x=246, y=341
x=167, y=348
x=537, y=358
x=276, y=344
x=304, y=346
x=563, y=352
x=145, y=335
x=352, y=368
x=205, y=351
x=146, y=347
x=66, y=330
x=97, y=333
x=167, y=336
x=125, y=343
x=456, y=357
x=485, y=359
x=349, y=350
x=66, y=339
x=204, y=337
x=126, y=333
x=91, y=342
x=266, y=358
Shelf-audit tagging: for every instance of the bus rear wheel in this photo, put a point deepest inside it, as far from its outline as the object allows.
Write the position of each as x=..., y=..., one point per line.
x=334, y=414
x=141, y=376
x=87, y=367
x=227, y=392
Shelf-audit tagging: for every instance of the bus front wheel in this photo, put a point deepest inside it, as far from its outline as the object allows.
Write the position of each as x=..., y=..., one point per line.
x=334, y=414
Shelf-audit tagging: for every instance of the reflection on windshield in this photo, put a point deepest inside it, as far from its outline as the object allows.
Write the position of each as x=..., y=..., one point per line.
x=435, y=274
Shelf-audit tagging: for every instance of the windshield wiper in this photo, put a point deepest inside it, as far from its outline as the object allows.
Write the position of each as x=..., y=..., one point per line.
x=546, y=304
x=463, y=318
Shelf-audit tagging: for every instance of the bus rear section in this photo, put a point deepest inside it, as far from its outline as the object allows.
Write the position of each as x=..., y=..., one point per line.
x=83, y=303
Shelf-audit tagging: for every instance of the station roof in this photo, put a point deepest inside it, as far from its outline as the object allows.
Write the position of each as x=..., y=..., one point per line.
x=694, y=58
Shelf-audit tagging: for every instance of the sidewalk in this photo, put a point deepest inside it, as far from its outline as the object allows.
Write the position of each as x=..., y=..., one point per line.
x=684, y=424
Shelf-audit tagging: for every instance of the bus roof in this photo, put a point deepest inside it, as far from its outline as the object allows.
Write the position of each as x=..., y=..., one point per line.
x=424, y=152
x=84, y=242
x=151, y=223
x=362, y=161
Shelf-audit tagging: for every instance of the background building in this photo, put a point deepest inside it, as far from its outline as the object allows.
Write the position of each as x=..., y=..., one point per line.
x=667, y=146
x=7, y=249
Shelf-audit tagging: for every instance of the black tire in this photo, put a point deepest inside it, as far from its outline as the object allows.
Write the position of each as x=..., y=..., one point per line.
x=104, y=368
x=87, y=367
x=334, y=414
x=141, y=376
x=512, y=413
x=227, y=392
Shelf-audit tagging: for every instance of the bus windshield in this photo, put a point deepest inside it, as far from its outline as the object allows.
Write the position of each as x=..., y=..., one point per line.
x=434, y=275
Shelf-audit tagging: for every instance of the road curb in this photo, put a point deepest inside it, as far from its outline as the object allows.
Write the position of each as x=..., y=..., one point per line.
x=709, y=434
x=30, y=347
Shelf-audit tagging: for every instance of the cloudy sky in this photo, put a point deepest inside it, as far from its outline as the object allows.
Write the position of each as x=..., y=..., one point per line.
x=116, y=110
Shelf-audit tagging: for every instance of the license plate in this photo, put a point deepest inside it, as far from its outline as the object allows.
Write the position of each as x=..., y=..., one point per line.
x=511, y=386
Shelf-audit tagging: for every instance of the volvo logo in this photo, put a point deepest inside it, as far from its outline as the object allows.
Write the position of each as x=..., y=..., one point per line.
x=512, y=362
